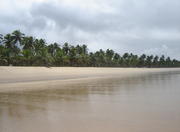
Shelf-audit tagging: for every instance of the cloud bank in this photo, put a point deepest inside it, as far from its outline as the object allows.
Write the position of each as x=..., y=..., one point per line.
x=138, y=26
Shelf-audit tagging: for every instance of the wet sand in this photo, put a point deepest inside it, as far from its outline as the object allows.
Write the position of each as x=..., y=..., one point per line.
x=117, y=100
x=36, y=78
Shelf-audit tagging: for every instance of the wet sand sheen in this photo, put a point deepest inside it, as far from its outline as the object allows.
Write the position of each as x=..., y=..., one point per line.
x=36, y=78
x=138, y=103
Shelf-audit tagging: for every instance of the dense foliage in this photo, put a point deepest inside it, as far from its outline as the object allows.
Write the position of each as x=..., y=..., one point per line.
x=19, y=50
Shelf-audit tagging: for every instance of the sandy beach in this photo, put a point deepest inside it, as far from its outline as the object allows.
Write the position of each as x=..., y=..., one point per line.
x=78, y=99
x=35, y=78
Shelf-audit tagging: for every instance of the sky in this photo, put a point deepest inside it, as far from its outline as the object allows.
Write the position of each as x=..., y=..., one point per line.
x=137, y=26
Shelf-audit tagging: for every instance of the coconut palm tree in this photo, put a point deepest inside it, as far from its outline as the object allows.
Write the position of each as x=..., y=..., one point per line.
x=1, y=39
x=17, y=36
x=18, y=49
x=156, y=61
x=28, y=42
x=66, y=48
x=52, y=49
x=12, y=49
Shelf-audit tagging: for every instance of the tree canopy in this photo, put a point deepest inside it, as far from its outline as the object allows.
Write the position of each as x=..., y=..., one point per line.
x=17, y=49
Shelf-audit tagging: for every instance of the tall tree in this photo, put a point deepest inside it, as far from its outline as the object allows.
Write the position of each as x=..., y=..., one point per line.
x=149, y=61
x=28, y=43
x=142, y=60
x=66, y=48
x=156, y=61
x=18, y=49
x=1, y=39
x=162, y=61
x=17, y=36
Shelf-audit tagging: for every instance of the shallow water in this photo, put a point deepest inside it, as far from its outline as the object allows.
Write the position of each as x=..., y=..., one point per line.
x=148, y=103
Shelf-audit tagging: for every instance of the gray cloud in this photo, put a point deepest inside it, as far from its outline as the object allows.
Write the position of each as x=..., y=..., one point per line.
x=139, y=26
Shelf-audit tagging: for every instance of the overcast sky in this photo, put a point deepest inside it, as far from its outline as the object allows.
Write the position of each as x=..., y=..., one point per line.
x=138, y=26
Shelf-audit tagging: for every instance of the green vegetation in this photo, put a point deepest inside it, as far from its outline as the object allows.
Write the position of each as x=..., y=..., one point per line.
x=19, y=50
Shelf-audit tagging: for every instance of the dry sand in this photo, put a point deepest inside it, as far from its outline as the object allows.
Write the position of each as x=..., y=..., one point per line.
x=36, y=78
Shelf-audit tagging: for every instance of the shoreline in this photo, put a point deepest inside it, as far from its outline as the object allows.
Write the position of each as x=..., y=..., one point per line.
x=14, y=79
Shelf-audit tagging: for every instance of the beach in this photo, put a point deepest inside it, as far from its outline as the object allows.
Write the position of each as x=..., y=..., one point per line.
x=78, y=99
x=36, y=78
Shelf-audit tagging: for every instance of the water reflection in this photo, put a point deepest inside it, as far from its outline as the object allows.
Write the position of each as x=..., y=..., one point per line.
x=140, y=103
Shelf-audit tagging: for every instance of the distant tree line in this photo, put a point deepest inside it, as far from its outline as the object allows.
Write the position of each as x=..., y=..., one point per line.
x=19, y=50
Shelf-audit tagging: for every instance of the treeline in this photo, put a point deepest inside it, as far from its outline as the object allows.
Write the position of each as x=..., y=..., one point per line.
x=19, y=50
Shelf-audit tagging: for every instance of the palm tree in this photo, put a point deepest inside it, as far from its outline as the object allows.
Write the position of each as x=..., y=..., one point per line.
x=175, y=63
x=168, y=62
x=79, y=49
x=38, y=45
x=116, y=59
x=109, y=56
x=134, y=60
x=156, y=61
x=17, y=36
x=125, y=59
x=1, y=39
x=66, y=48
x=72, y=55
x=149, y=61
x=92, y=59
x=52, y=49
x=12, y=49
x=28, y=42
x=32, y=51
x=142, y=60
x=84, y=49
x=3, y=55
x=58, y=58
x=162, y=61
x=10, y=41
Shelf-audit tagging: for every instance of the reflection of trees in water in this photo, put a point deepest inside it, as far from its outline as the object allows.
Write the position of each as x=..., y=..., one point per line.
x=14, y=104
x=18, y=103
x=114, y=85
